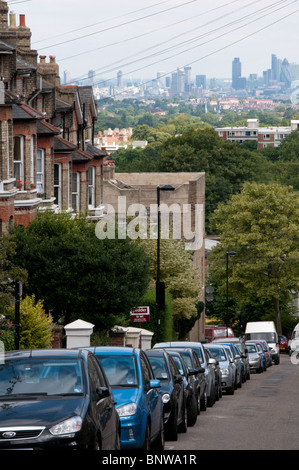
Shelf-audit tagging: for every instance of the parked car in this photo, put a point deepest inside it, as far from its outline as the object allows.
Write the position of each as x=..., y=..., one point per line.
x=237, y=361
x=266, y=351
x=189, y=384
x=56, y=399
x=136, y=392
x=204, y=362
x=283, y=344
x=228, y=369
x=239, y=344
x=264, y=330
x=172, y=390
x=194, y=364
x=217, y=372
x=255, y=357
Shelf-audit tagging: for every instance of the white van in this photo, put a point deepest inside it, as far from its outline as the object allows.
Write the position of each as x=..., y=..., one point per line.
x=264, y=330
x=294, y=340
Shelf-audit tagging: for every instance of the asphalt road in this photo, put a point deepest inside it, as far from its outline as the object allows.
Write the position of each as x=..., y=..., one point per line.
x=262, y=415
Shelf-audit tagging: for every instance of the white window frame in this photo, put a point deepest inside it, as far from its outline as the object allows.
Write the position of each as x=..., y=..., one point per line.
x=40, y=176
x=19, y=162
x=76, y=191
x=91, y=186
x=57, y=184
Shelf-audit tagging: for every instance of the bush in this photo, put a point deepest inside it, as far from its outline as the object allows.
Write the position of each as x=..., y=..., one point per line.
x=166, y=317
x=36, y=326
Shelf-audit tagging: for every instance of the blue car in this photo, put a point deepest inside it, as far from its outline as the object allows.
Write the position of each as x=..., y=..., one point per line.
x=136, y=392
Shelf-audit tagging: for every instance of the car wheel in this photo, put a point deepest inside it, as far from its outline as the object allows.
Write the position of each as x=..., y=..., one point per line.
x=230, y=390
x=204, y=402
x=159, y=443
x=172, y=433
x=147, y=438
x=192, y=411
x=184, y=424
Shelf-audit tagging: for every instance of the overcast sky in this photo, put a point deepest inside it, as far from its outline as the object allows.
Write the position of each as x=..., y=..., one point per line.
x=144, y=37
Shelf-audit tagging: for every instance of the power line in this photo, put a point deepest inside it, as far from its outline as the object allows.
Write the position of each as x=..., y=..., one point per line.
x=209, y=54
x=181, y=44
x=120, y=25
x=103, y=21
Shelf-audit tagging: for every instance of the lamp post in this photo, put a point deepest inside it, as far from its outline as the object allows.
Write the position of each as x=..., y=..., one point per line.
x=166, y=187
x=228, y=253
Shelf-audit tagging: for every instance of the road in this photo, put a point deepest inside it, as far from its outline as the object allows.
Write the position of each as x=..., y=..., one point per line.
x=262, y=415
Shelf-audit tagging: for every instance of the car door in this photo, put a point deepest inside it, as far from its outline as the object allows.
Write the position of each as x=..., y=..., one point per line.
x=103, y=408
x=178, y=385
x=153, y=399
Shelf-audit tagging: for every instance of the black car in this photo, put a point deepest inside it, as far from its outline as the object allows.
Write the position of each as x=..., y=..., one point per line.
x=189, y=384
x=172, y=390
x=192, y=361
x=56, y=399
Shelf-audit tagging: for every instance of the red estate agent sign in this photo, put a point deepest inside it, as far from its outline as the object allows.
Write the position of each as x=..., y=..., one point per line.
x=140, y=314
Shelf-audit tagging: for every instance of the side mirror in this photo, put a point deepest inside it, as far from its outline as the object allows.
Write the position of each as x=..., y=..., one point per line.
x=178, y=379
x=192, y=371
x=201, y=370
x=102, y=392
x=212, y=361
x=154, y=383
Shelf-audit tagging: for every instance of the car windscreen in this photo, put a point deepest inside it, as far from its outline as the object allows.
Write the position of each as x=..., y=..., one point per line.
x=159, y=368
x=219, y=354
x=41, y=376
x=269, y=337
x=251, y=348
x=121, y=371
x=187, y=358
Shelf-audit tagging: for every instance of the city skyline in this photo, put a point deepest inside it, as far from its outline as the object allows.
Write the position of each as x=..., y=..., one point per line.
x=162, y=35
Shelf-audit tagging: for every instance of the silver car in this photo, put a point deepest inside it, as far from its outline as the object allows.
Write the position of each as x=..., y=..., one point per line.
x=255, y=358
x=228, y=368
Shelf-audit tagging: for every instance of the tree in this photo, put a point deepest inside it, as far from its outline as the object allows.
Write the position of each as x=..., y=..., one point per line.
x=261, y=224
x=179, y=275
x=36, y=326
x=76, y=274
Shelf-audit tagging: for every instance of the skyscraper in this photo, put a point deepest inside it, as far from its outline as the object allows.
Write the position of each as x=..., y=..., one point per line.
x=236, y=73
x=120, y=79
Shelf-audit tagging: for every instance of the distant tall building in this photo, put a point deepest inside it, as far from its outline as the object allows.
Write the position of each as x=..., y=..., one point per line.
x=91, y=77
x=187, y=78
x=66, y=77
x=120, y=82
x=236, y=73
x=178, y=82
x=275, y=68
x=201, y=81
x=238, y=82
x=161, y=79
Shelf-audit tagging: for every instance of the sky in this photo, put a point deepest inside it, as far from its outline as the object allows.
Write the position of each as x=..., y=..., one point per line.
x=143, y=38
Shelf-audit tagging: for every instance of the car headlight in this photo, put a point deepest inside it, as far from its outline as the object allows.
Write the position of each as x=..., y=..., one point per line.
x=68, y=426
x=165, y=397
x=224, y=371
x=127, y=410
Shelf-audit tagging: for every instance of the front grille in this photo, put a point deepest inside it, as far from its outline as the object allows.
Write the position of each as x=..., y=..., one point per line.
x=13, y=433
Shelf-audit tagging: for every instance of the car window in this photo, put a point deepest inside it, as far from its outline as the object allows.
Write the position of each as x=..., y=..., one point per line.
x=187, y=359
x=251, y=348
x=218, y=353
x=196, y=360
x=121, y=371
x=147, y=374
x=41, y=376
x=179, y=364
x=173, y=367
x=159, y=367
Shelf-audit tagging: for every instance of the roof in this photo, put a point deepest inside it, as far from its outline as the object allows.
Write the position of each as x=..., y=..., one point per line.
x=117, y=350
x=63, y=145
x=95, y=152
x=45, y=128
x=23, y=111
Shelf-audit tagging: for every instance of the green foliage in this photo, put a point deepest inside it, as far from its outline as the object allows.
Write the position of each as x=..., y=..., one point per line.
x=262, y=225
x=76, y=274
x=166, y=319
x=36, y=326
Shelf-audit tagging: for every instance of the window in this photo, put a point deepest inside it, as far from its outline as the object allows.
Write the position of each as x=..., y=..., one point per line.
x=40, y=170
x=19, y=159
x=91, y=186
x=75, y=191
x=57, y=183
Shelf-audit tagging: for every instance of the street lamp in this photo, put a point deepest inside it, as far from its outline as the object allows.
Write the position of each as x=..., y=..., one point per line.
x=165, y=187
x=228, y=253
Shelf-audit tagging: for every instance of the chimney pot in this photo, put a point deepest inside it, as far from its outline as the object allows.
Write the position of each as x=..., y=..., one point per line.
x=22, y=20
x=52, y=59
x=42, y=59
x=12, y=18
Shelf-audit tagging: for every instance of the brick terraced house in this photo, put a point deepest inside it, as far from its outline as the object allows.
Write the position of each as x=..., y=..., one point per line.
x=47, y=152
